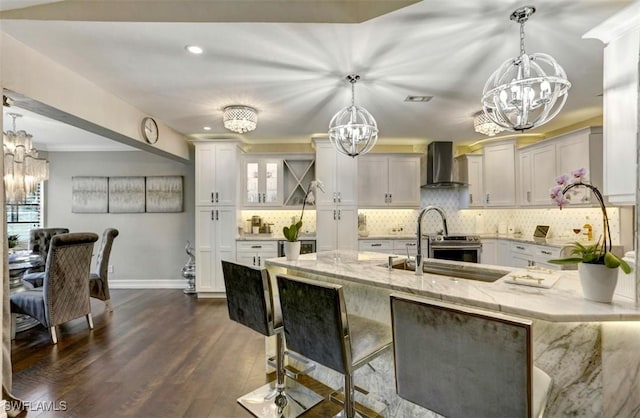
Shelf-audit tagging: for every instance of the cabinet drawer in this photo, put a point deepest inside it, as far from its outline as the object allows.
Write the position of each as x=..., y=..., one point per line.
x=521, y=248
x=257, y=246
x=544, y=252
x=371, y=245
x=402, y=245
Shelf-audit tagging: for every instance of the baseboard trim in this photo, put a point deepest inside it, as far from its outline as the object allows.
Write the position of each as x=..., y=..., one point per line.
x=211, y=295
x=147, y=284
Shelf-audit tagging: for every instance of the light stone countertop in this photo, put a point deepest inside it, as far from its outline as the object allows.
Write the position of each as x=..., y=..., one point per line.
x=551, y=242
x=389, y=236
x=271, y=237
x=562, y=303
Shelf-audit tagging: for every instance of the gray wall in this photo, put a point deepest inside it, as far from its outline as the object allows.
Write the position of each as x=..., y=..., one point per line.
x=149, y=252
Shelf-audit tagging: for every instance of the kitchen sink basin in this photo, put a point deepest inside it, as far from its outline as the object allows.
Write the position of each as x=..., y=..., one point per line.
x=461, y=270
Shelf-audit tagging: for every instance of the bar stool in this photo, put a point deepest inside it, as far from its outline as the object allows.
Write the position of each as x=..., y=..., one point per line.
x=460, y=361
x=251, y=302
x=316, y=325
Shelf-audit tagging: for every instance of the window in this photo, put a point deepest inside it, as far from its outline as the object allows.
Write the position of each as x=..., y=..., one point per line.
x=24, y=216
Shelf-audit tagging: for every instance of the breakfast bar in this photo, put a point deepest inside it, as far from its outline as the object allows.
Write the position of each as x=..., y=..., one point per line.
x=590, y=349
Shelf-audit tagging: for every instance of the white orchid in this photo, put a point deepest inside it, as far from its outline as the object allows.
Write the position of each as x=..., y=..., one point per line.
x=291, y=232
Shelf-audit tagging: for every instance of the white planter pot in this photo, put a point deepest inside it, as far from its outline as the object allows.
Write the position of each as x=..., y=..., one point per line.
x=292, y=250
x=598, y=281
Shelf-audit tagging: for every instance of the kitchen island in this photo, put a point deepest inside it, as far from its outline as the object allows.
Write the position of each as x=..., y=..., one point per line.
x=590, y=349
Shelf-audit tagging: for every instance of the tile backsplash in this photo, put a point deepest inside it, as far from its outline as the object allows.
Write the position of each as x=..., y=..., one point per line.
x=460, y=221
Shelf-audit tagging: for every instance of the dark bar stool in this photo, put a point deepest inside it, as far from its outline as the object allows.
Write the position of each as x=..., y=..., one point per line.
x=317, y=326
x=460, y=361
x=252, y=303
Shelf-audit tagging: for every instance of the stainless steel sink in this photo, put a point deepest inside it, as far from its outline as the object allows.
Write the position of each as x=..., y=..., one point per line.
x=460, y=270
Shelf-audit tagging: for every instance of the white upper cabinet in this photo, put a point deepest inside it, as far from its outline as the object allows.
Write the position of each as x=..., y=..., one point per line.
x=216, y=173
x=469, y=170
x=621, y=35
x=262, y=182
x=338, y=174
x=389, y=181
x=499, y=174
x=537, y=172
x=581, y=149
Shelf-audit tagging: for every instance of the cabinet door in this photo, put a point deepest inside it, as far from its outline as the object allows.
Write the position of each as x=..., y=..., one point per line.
x=404, y=181
x=247, y=259
x=504, y=253
x=262, y=182
x=499, y=174
x=326, y=229
x=620, y=104
x=346, y=186
x=489, y=251
x=520, y=260
x=272, y=189
x=474, y=178
x=225, y=239
x=326, y=167
x=347, y=229
x=525, y=182
x=373, y=189
x=252, y=192
x=225, y=181
x=205, y=188
x=573, y=153
x=543, y=169
x=205, y=249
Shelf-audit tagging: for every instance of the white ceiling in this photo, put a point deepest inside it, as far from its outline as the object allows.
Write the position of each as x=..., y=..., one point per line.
x=293, y=73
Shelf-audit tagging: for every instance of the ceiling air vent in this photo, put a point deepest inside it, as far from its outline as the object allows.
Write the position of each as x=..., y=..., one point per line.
x=423, y=99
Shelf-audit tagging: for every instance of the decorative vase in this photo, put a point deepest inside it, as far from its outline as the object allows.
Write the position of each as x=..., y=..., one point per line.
x=292, y=250
x=598, y=281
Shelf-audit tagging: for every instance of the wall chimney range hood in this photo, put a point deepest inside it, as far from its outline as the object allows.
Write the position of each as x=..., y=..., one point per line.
x=439, y=166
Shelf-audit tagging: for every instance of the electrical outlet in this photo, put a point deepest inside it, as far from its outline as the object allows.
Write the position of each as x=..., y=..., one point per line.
x=110, y=268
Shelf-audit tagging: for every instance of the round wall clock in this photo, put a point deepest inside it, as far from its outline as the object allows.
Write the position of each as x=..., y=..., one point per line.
x=149, y=129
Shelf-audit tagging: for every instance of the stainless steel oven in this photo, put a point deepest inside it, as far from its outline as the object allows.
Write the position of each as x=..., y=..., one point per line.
x=307, y=246
x=455, y=247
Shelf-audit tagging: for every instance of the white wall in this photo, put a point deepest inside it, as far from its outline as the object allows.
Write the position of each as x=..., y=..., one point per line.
x=149, y=252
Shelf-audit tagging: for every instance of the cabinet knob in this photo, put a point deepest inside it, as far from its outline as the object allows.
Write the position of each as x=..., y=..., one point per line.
x=216, y=214
x=487, y=197
x=376, y=245
x=471, y=198
x=546, y=252
x=216, y=197
x=339, y=197
x=338, y=214
x=334, y=214
x=212, y=198
x=390, y=198
x=256, y=246
x=254, y=260
x=264, y=198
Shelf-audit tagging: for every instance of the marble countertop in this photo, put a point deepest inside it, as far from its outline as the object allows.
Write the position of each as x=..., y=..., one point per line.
x=562, y=303
x=552, y=242
x=389, y=236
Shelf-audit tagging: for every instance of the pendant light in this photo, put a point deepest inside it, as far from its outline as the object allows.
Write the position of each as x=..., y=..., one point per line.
x=353, y=131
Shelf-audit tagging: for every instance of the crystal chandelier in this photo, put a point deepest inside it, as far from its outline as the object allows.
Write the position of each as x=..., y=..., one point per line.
x=482, y=124
x=353, y=131
x=240, y=119
x=23, y=170
x=521, y=94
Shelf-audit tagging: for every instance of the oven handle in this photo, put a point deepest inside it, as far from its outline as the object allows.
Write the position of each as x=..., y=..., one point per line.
x=455, y=247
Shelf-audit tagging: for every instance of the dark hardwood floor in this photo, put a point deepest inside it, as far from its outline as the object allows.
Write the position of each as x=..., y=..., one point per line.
x=159, y=354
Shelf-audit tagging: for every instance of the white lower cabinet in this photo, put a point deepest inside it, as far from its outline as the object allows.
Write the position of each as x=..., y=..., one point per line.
x=254, y=253
x=406, y=247
x=215, y=241
x=337, y=228
x=525, y=255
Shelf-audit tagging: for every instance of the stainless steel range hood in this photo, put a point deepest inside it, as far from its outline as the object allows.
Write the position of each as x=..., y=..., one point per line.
x=439, y=166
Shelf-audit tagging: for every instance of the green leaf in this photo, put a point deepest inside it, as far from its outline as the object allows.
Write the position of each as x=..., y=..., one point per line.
x=613, y=261
x=563, y=261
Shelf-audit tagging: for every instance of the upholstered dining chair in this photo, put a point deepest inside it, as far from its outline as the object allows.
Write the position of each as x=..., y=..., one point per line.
x=39, y=240
x=64, y=294
x=99, y=281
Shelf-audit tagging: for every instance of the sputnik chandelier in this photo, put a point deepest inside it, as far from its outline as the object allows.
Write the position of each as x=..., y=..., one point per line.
x=527, y=91
x=353, y=131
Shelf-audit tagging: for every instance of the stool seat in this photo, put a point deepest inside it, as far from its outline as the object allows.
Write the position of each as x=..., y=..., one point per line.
x=367, y=337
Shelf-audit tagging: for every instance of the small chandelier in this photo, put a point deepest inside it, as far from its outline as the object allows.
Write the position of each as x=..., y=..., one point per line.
x=520, y=94
x=23, y=170
x=353, y=131
x=482, y=124
x=240, y=119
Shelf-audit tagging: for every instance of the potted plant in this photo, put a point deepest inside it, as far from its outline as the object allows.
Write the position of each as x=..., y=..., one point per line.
x=292, y=245
x=597, y=265
x=13, y=240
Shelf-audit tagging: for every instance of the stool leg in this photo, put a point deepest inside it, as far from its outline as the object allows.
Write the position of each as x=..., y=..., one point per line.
x=282, y=398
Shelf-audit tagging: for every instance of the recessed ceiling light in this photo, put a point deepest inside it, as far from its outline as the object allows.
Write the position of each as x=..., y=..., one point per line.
x=207, y=128
x=194, y=49
x=418, y=98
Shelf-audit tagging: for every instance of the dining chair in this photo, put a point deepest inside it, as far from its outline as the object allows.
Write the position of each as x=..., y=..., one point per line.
x=39, y=241
x=64, y=294
x=99, y=281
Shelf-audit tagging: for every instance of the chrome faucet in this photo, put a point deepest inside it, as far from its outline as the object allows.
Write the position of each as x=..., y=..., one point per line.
x=423, y=211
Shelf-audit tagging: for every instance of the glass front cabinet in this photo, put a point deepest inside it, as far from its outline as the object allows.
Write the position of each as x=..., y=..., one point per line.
x=262, y=182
